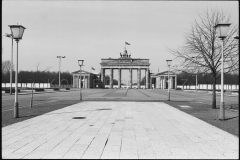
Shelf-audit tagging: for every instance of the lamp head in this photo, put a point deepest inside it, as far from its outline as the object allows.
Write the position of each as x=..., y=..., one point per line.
x=7, y=35
x=169, y=62
x=17, y=31
x=222, y=30
x=63, y=56
x=80, y=62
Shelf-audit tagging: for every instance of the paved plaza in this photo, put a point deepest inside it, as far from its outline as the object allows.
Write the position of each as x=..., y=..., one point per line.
x=107, y=129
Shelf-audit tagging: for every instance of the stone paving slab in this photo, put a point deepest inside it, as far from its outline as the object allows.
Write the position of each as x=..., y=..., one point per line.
x=113, y=130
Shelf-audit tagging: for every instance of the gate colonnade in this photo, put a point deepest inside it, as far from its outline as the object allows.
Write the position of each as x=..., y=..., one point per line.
x=125, y=62
x=130, y=82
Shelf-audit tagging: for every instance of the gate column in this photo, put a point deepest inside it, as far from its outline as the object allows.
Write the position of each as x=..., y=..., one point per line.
x=111, y=78
x=130, y=78
x=80, y=81
x=171, y=82
x=84, y=81
x=103, y=77
x=147, y=78
x=164, y=82
x=139, y=78
x=119, y=78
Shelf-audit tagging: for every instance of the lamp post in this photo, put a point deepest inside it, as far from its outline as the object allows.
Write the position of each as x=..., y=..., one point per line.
x=169, y=64
x=31, y=102
x=196, y=76
x=17, y=33
x=11, y=67
x=80, y=63
x=59, y=70
x=222, y=32
x=237, y=38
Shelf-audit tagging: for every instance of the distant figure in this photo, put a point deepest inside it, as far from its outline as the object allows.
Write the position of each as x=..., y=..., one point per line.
x=120, y=54
x=130, y=55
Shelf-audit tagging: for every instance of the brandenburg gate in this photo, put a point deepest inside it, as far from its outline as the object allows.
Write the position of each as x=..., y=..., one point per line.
x=125, y=62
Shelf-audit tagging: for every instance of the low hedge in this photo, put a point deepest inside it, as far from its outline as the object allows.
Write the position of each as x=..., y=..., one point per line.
x=39, y=89
x=13, y=90
x=56, y=89
x=67, y=88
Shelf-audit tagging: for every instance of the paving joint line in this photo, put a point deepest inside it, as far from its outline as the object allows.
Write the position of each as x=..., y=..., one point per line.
x=110, y=93
x=126, y=93
x=143, y=93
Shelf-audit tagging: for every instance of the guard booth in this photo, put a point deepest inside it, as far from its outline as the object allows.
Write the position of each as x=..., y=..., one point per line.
x=161, y=80
x=86, y=79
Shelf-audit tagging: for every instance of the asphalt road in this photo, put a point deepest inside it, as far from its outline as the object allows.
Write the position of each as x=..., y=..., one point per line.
x=47, y=97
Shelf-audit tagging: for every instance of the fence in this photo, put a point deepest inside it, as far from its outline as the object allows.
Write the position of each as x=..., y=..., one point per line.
x=36, y=85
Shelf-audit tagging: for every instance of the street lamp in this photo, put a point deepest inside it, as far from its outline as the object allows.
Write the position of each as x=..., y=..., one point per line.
x=237, y=38
x=196, y=75
x=59, y=70
x=80, y=63
x=11, y=67
x=222, y=33
x=17, y=33
x=169, y=64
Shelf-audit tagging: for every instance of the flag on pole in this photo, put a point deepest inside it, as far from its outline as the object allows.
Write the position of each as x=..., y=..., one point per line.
x=93, y=69
x=127, y=43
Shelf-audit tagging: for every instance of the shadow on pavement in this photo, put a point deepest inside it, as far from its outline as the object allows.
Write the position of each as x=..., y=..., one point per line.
x=231, y=118
x=79, y=118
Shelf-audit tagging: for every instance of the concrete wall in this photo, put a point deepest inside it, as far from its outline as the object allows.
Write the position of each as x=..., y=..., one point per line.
x=24, y=85
x=209, y=86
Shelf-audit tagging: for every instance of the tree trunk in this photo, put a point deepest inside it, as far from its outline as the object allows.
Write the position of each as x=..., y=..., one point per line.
x=214, y=106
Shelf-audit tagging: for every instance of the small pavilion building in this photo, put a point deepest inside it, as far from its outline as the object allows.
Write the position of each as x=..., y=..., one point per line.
x=87, y=79
x=161, y=80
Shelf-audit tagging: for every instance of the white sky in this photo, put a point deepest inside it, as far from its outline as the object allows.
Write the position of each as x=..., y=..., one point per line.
x=92, y=30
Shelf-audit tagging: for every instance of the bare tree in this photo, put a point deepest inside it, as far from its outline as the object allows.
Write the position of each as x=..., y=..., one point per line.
x=202, y=43
x=6, y=66
x=37, y=66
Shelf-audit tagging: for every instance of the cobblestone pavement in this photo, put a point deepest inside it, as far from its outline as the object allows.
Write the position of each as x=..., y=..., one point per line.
x=117, y=130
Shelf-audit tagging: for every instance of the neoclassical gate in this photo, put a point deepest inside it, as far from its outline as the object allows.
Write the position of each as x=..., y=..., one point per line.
x=125, y=62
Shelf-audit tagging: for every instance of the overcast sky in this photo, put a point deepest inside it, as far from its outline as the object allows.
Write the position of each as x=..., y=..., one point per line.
x=92, y=30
